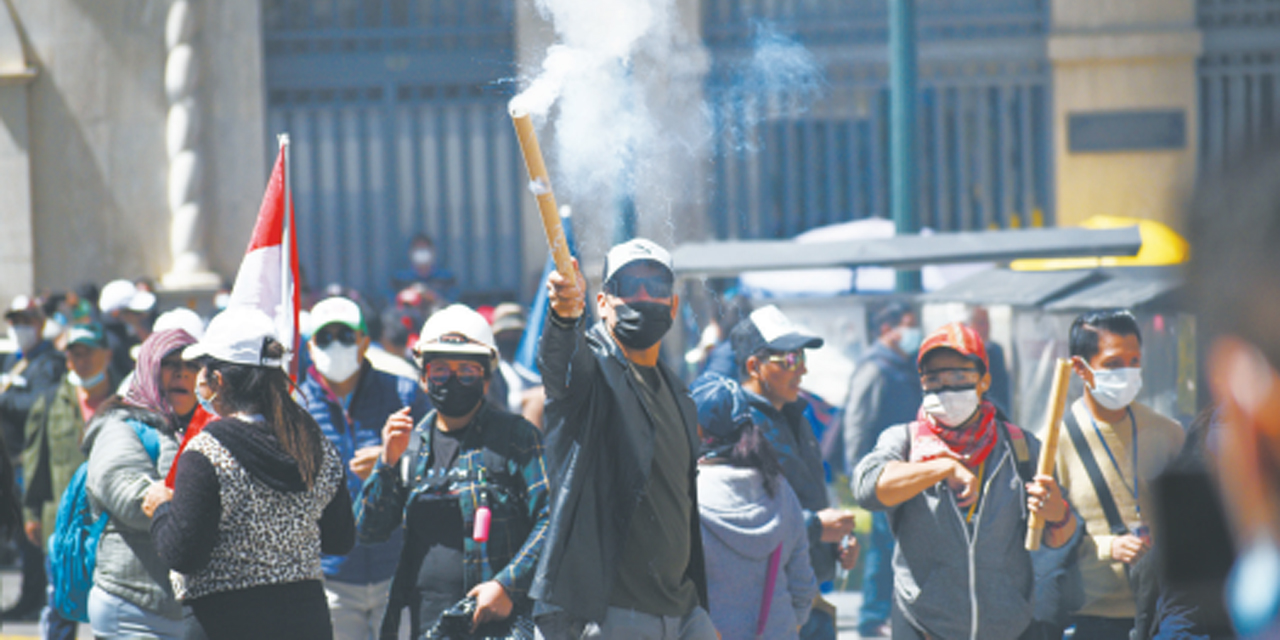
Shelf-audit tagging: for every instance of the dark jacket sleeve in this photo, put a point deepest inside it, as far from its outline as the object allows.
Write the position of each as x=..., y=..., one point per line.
x=185, y=529
x=379, y=509
x=37, y=483
x=860, y=411
x=44, y=374
x=338, y=524
x=517, y=576
x=568, y=367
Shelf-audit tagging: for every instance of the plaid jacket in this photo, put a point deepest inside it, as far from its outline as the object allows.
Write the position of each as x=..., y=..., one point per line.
x=502, y=453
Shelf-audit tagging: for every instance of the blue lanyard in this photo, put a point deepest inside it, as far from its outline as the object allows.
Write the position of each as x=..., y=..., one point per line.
x=1133, y=491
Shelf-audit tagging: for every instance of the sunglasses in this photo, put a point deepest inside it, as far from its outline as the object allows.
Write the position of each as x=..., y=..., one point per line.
x=789, y=361
x=326, y=336
x=957, y=377
x=176, y=365
x=624, y=285
x=438, y=372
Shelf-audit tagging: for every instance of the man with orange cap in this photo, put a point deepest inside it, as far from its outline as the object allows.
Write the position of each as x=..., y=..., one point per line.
x=956, y=483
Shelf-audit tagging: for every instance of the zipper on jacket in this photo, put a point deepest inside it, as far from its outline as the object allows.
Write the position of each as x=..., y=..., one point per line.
x=971, y=542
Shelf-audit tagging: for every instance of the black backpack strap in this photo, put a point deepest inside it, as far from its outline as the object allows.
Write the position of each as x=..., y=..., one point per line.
x=1021, y=452
x=1090, y=463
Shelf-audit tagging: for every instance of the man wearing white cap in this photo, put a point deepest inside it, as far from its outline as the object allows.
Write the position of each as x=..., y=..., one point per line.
x=770, y=352
x=351, y=401
x=468, y=485
x=624, y=559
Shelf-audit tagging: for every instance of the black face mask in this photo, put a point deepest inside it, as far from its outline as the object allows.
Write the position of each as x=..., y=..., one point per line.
x=454, y=399
x=641, y=324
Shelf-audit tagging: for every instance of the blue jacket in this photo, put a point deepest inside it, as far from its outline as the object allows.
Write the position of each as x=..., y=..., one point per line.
x=377, y=395
x=801, y=458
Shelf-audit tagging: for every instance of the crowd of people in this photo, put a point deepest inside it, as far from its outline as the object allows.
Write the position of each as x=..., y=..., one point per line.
x=415, y=481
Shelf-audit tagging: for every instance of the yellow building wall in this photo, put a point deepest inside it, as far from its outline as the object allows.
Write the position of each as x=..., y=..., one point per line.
x=1121, y=56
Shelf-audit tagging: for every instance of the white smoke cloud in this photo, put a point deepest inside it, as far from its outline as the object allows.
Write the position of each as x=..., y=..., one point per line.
x=602, y=120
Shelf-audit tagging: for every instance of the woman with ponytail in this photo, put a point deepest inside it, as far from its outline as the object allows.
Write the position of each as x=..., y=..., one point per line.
x=258, y=496
x=759, y=577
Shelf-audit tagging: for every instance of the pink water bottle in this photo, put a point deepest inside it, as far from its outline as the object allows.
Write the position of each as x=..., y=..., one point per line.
x=480, y=531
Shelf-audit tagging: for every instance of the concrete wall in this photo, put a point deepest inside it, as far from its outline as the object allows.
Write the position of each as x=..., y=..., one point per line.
x=16, y=241
x=96, y=136
x=1120, y=56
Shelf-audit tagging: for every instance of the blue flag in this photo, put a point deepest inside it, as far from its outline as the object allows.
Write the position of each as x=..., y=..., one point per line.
x=527, y=354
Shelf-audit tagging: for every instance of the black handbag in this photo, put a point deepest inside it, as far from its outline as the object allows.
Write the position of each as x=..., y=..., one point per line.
x=455, y=624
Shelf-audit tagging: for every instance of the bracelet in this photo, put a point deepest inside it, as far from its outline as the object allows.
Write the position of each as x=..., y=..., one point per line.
x=1054, y=526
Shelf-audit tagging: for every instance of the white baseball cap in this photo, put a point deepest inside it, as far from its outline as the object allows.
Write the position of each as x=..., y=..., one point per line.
x=237, y=335
x=636, y=250
x=456, y=329
x=119, y=295
x=337, y=309
x=180, y=318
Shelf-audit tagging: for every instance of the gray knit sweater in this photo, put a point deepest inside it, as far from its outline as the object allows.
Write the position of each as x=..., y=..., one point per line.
x=120, y=472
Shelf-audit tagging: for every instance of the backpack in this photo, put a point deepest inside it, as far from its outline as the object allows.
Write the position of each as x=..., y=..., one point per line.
x=73, y=547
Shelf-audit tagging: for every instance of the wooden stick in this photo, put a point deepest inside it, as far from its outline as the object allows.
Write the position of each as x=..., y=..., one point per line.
x=540, y=185
x=1049, y=444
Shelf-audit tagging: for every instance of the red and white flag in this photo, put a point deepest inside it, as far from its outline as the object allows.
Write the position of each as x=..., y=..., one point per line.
x=268, y=276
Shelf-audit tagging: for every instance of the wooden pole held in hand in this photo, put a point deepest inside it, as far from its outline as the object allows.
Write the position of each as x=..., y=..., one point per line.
x=1049, y=444
x=540, y=185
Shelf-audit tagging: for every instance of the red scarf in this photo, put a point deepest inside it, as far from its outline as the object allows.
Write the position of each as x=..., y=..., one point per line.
x=198, y=421
x=972, y=444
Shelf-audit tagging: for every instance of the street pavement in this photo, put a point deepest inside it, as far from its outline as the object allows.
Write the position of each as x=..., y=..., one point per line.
x=846, y=602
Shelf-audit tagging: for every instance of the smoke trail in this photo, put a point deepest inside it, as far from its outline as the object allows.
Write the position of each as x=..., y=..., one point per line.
x=781, y=79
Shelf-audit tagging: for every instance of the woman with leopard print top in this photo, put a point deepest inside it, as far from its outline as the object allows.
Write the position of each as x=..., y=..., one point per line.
x=258, y=495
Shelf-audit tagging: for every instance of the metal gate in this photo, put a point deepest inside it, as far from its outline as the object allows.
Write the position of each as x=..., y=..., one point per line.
x=396, y=110
x=1239, y=76
x=983, y=118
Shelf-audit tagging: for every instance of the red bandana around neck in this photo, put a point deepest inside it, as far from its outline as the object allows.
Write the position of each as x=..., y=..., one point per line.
x=972, y=444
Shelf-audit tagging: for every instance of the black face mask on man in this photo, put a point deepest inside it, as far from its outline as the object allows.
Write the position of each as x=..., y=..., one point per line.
x=641, y=325
x=454, y=399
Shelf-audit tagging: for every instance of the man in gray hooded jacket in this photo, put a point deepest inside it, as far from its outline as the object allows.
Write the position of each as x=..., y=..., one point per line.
x=958, y=504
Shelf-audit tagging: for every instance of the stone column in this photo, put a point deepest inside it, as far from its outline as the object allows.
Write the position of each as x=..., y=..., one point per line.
x=182, y=140
x=17, y=242
x=1125, y=107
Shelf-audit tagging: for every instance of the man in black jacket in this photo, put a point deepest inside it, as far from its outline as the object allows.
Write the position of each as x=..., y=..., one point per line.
x=624, y=554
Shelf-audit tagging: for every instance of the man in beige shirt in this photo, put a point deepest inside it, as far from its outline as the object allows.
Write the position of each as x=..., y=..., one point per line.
x=1131, y=445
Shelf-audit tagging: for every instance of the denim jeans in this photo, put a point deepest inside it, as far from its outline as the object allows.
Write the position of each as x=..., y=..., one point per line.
x=357, y=609
x=114, y=617
x=877, y=575
x=52, y=625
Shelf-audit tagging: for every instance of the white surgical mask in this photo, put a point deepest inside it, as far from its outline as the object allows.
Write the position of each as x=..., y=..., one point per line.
x=421, y=257
x=951, y=408
x=1115, y=389
x=25, y=336
x=909, y=339
x=338, y=362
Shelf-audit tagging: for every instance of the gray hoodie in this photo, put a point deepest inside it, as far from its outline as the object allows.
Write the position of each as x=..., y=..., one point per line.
x=741, y=526
x=951, y=579
x=120, y=472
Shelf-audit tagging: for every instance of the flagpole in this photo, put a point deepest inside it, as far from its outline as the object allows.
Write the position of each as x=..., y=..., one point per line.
x=286, y=258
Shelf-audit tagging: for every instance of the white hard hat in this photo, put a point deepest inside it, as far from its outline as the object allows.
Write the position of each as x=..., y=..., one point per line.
x=456, y=329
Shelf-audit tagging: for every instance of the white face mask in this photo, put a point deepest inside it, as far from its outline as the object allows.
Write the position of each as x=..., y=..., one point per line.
x=1115, y=389
x=338, y=362
x=25, y=336
x=951, y=408
x=421, y=257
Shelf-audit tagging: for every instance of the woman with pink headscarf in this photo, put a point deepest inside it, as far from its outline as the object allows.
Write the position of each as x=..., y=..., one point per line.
x=131, y=595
